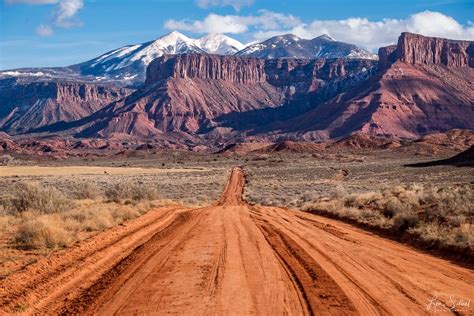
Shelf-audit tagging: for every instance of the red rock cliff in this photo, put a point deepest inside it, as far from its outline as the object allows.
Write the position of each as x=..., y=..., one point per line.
x=28, y=105
x=417, y=49
x=387, y=56
x=215, y=67
x=278, y=72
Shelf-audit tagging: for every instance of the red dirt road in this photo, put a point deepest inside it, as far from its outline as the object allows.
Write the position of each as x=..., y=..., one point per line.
x=233, y=258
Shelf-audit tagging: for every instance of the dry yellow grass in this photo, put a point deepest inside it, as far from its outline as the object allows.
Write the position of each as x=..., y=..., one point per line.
x=440, y=214
x=9, y=171
x=36, y=230
x=43, y=217
x=34, y=197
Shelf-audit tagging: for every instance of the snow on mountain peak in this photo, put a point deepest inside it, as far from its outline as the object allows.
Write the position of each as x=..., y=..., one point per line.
x=131, y=61
x=217, y=43
x=291, y=46
x=173, y=38
x=326, y=37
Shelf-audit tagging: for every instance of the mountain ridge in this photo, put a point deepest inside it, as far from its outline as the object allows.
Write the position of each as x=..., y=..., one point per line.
x=292, y=46
x=420, y=86
x=127, y=65
x=424, y=85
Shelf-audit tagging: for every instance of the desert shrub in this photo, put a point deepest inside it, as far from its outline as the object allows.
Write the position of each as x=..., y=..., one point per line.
x=325, y=205
x=118, y=192
x=143, y=193
x=309, y=196
x=457, y=220
x=448, y=206
x=97, y=216
x=33, y=197
x=261, y=157
x=392, y=207
x=369, y=215
x=350, y=212
x=98, y=220
x=404, y=221
x=462, y=236
x=5, y=222
x=124, y=191
x=435, y=214
x=412, y=197
x=43, y=232
x=124, y=214
x=79, y=215
x=362, y=199
x=3, y=206
x=6, y=160
x=338, y=192
x=86, y=190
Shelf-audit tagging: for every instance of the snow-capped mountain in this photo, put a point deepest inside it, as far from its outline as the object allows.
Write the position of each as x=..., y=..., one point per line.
x=219, y=44
x=127, y=65
x=291, y=46
x=130, y=62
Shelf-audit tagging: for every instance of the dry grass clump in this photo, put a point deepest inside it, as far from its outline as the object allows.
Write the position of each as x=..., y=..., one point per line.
x=87, y=190
x=56, y=230
x=43, y=217
x=100, y=216
x=436, y=214
x=33, y=197
x=6, y=160
x=42, y=232
x=126, y=191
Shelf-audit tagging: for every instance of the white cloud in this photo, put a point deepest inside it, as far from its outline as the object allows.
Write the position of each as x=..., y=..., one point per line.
x=374, y=34
x=66, y=11
x=236, y=4
x=64, y=14
x=214, y=23
x=44, y=30
x=358, y=30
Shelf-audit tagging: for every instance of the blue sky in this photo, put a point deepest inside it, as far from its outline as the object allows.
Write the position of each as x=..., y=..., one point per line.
x=64, y=32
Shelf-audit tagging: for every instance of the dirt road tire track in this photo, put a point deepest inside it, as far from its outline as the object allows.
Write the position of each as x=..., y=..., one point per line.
x=318, y=290
x=111, y=282
x=233, y=258
x=37, y=285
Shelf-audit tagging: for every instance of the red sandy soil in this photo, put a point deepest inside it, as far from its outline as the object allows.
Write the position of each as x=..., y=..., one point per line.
x=233, y=258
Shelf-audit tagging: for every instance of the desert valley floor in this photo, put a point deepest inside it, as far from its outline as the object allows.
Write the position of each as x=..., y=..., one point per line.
x=220, y=250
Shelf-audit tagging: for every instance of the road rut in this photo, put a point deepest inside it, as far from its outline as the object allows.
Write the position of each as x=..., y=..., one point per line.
x=233, y=258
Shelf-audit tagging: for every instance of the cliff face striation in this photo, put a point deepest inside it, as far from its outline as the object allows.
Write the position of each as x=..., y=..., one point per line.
x=212, y=67
x=27, y=105
x=420, y=86
x=217, y=95
x=246, y=70
x=387, y=56
x=416, y=49
x=425, y=85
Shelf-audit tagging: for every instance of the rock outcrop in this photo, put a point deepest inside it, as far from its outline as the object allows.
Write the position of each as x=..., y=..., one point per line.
x=422, y=86
x=27, y=105
x=417, y=49
x=387, y=56
x=222, y=96
x=212, y=67
x=425, y=85
x=278, y=72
